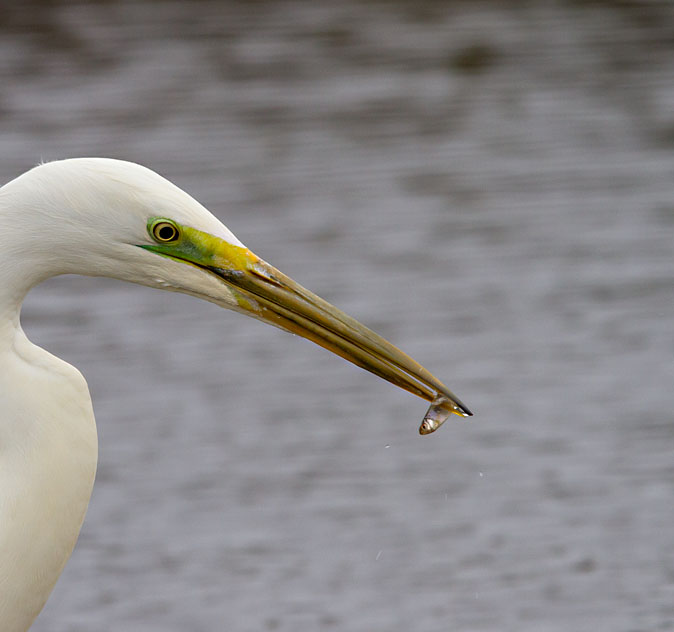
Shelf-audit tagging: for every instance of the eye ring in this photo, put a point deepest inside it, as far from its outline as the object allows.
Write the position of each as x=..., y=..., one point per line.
x=164, y=231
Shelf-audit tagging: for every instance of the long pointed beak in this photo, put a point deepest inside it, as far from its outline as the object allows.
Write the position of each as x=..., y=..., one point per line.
x=267, y=294
x=275, y=298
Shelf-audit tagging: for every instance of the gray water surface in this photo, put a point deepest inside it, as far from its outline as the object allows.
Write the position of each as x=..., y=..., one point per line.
x=490, y=186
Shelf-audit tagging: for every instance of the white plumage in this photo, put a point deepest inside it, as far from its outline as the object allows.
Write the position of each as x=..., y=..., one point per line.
x=104, y=217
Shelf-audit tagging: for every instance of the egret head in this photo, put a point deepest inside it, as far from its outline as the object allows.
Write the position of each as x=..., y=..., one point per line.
x=103, y=217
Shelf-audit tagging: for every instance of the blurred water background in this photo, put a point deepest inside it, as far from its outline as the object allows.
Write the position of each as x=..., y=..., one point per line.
x=490, y=185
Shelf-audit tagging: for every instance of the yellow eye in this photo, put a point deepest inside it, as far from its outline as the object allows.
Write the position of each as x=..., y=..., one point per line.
x=164, y=231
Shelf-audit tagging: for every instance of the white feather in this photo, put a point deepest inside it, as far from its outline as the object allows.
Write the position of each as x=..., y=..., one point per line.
x=81, y=216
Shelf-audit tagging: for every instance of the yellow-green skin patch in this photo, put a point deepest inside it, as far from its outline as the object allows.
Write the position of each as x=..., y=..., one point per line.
x=204, y=250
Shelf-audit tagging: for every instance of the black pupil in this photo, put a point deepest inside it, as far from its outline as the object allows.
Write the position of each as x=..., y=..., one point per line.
x=166, y=232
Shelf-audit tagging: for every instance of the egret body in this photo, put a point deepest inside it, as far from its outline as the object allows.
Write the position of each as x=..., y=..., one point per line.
x=103, y=217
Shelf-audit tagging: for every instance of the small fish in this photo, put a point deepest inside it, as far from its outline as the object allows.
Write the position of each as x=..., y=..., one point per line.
x=438, y=412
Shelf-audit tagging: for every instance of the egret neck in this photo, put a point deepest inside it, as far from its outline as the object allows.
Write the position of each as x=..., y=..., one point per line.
x=102, y=217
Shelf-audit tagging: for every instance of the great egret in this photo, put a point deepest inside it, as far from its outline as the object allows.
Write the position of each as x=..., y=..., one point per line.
x=103, y=217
